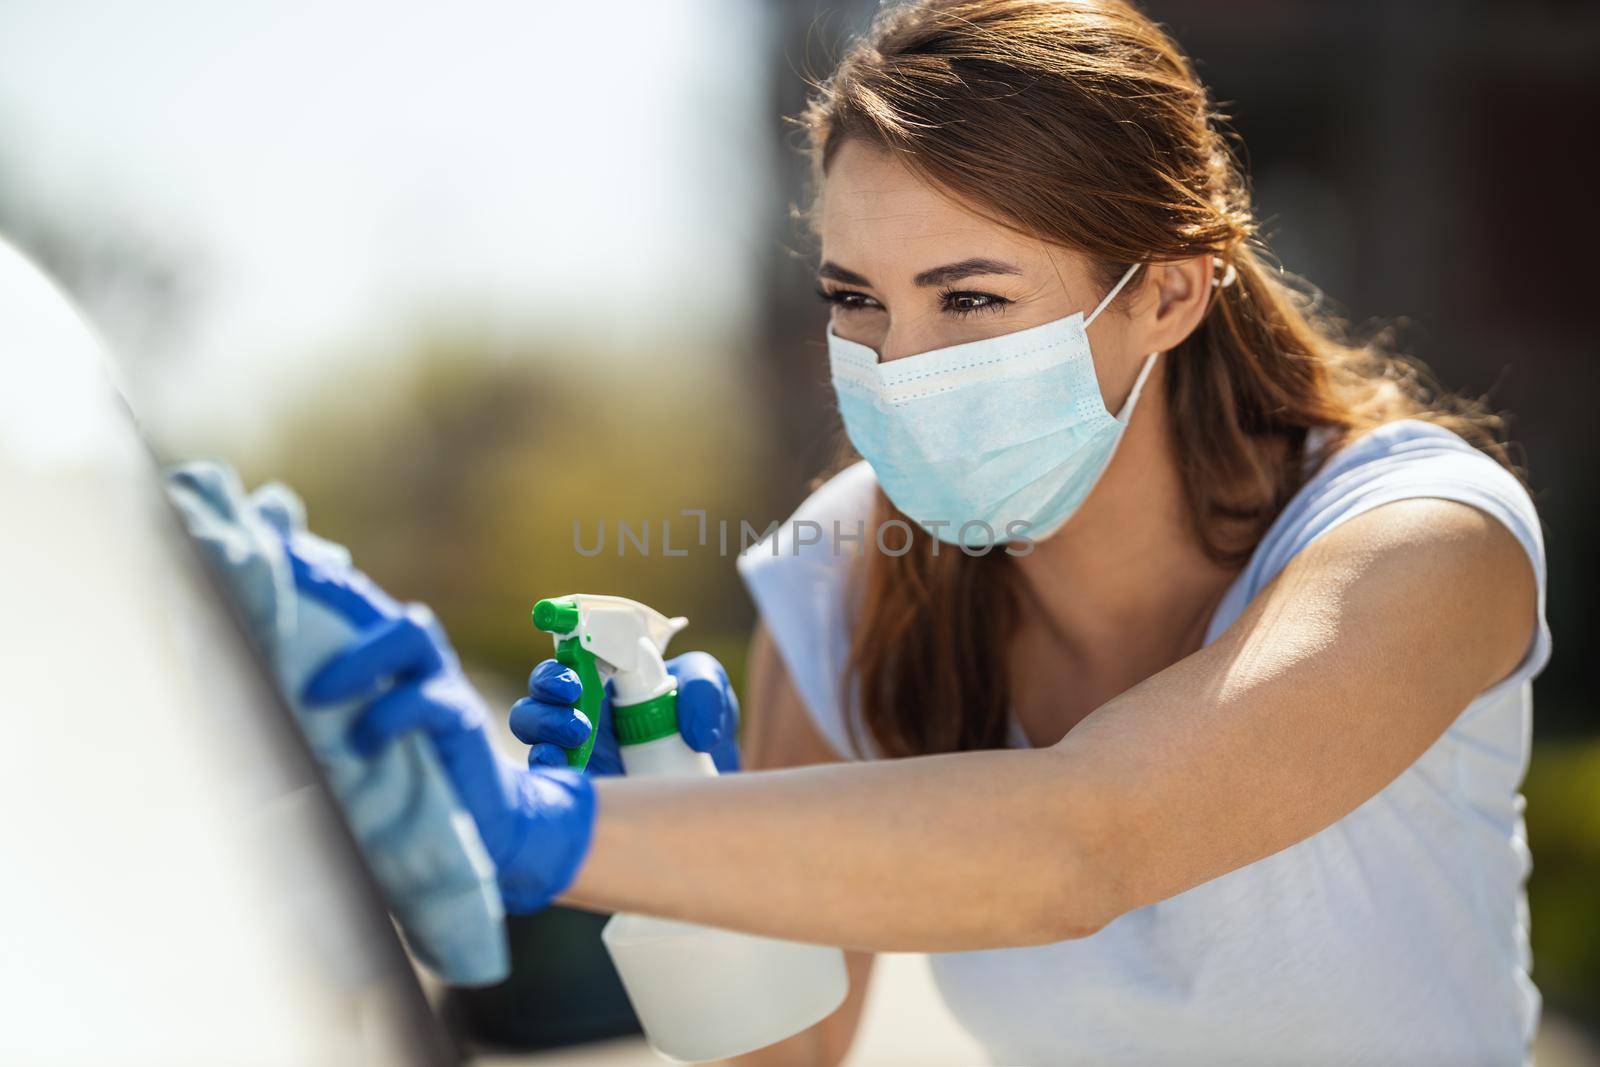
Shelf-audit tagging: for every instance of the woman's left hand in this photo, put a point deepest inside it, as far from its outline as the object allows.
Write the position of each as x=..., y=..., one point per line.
x=536, y=824
x=708, y=715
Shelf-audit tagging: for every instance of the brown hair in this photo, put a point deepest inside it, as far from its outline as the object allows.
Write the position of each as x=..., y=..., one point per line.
x=1081, y=123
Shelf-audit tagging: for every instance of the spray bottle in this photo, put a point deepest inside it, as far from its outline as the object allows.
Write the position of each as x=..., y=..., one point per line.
x=701, y=993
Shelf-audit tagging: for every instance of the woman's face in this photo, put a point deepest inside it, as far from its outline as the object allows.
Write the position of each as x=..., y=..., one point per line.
x=908, y=270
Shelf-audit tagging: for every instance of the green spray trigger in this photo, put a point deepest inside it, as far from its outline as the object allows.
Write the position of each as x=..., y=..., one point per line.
x=560, y=617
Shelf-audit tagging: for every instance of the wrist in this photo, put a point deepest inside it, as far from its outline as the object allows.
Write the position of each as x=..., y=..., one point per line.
x=556, y=817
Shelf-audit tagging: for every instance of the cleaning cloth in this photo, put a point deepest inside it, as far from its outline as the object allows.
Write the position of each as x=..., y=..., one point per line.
x=420, y=843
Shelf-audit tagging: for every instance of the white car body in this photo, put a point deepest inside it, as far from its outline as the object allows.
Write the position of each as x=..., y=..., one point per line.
x=175, y=885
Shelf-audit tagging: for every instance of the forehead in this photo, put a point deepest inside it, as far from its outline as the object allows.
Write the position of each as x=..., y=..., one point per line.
x=875, y=210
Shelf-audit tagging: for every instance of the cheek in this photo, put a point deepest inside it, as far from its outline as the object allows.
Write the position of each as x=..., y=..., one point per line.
x=1116, y=364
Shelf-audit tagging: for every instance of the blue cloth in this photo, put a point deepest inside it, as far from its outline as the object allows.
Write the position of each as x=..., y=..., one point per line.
x=422, y=846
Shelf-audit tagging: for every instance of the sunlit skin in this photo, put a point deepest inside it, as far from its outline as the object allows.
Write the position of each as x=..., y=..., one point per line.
x=1160, y=764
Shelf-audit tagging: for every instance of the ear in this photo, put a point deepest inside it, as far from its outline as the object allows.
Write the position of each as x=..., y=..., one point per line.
x=1171, y=303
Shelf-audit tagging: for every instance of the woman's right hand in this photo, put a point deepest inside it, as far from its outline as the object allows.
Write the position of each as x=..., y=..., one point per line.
x=708, y=715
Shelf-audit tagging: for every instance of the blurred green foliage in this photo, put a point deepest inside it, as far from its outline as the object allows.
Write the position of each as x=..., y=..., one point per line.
x=1563, y=816
x=456, y=472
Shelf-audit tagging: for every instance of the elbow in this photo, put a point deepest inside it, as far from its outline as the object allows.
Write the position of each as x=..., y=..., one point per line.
x=1086, y=923
x=1059, y=928
x=1073, y=916
x=1044, y=918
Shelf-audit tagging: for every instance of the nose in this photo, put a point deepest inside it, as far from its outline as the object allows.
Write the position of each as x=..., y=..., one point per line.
x=895, y=337
x=907, y=339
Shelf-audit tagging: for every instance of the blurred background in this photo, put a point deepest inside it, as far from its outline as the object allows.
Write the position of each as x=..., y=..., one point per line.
x=479, y=279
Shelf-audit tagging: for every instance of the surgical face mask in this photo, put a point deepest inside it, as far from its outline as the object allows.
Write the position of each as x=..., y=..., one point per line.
x=988, y=442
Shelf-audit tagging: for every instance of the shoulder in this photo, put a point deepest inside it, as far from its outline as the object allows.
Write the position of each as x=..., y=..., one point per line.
x=798, y=575
x=1407, y=460
x=1401, y=460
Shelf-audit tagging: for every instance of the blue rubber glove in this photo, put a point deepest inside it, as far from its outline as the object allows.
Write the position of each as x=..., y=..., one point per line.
x=535, y=824
x=708, y=715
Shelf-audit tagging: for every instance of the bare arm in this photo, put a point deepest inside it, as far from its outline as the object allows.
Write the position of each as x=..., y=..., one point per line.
x=779, y=733
x=1339, y=675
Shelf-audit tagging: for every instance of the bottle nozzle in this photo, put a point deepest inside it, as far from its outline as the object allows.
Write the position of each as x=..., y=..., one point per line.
x=555, y=616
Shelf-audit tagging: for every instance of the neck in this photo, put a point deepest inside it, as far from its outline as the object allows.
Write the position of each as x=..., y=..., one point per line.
x=1126, y=580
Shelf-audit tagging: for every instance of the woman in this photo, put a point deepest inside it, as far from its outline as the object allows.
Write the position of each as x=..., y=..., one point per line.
x=1213, y=755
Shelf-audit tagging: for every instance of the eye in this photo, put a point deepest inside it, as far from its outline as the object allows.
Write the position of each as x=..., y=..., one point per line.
x=848, y=299
x=961, y=302
x=955, y=302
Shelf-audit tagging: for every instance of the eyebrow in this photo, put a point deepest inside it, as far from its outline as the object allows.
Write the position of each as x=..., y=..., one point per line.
x=944, y=275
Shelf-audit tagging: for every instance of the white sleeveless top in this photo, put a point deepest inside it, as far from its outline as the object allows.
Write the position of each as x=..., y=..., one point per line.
x=1398, y=935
